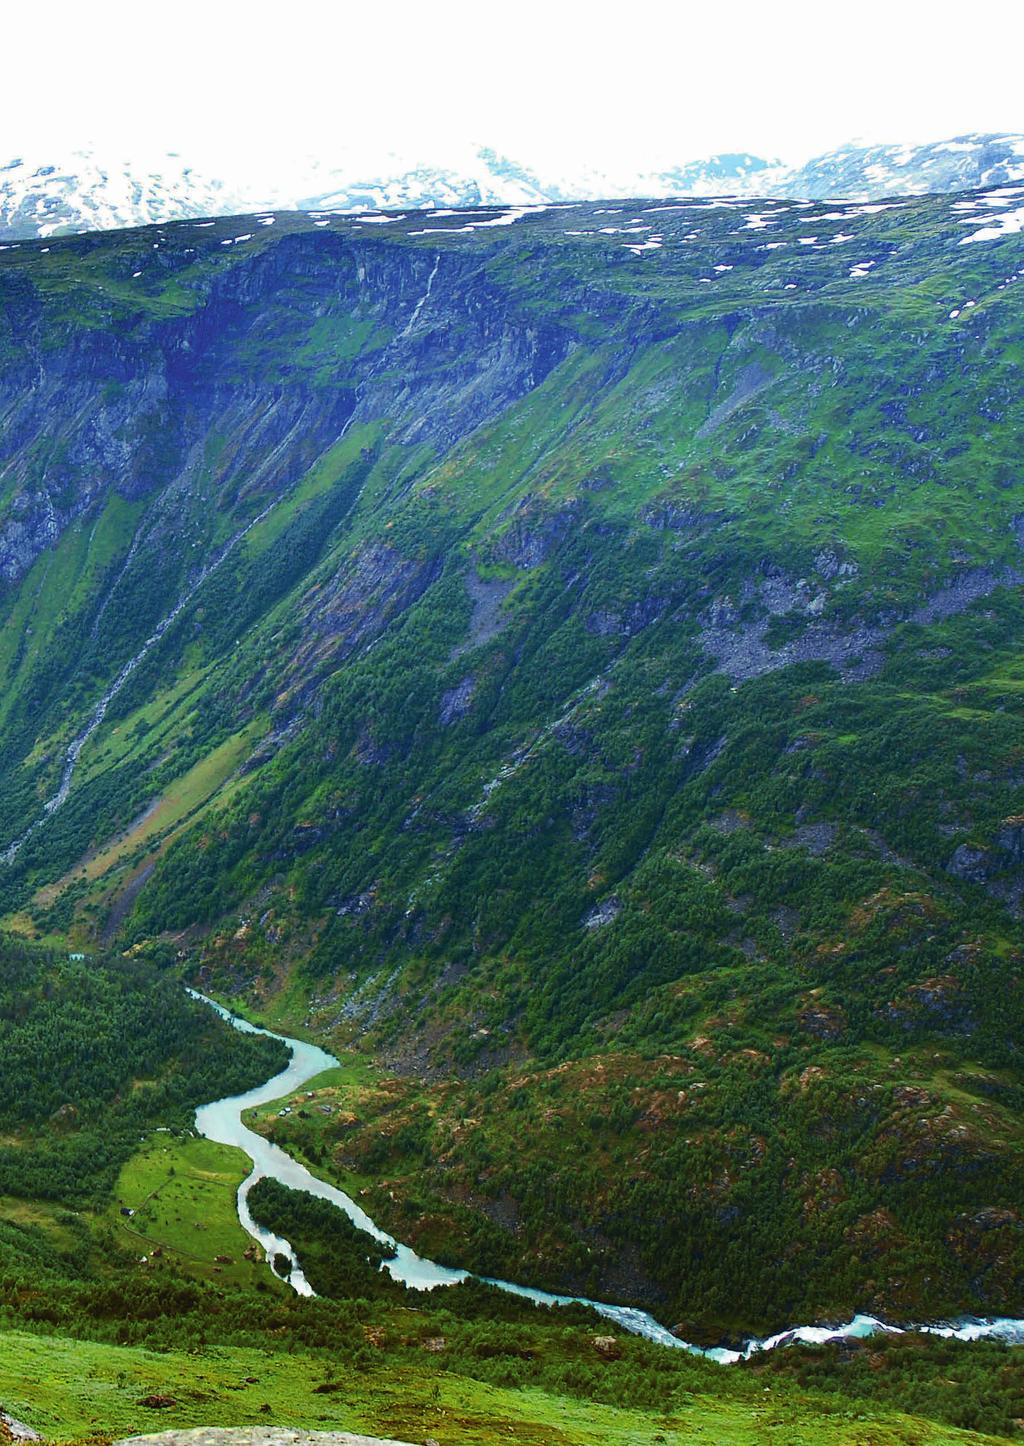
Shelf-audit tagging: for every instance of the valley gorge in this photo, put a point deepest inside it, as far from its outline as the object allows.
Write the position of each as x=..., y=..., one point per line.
x=563, y=662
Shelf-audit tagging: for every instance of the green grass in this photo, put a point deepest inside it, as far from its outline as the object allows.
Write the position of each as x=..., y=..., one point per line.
x=183, y=1194
x=159, y=720
x=320, y=479
x=70, y=1389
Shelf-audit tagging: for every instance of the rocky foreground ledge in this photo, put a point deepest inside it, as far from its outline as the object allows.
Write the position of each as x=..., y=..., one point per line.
x=260, y=1436
x=12, y=1430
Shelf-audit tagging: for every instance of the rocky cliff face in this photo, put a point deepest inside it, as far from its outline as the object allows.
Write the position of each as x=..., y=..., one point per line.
x=90, y=411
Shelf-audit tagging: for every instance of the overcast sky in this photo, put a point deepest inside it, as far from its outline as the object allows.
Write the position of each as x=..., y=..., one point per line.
x=555, y=83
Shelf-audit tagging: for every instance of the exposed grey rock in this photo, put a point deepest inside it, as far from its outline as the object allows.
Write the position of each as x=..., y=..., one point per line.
x=997, y=867
x=116, y=411
x=604, y=623
x=370, y=1000
x=787, y=919
x=370, y=752
x=355, y=904
x=586, y=809
x=574, y=739
x=744, y=654
x=935, y=1003
x=257, y=1436
x=354, y=606
x=970, y=863
x=750, y=380
x=741, y=650
x=731, y=821
x=604, y=913
x=700, y=756
x=533, y=533
x=271, y=744
x=816, y=838
x=17, y=1429
x=456, y=702
x=822, y=1020
x=677, y=517
x=1009, y=840
x=487, y=619
x=831, y=566
x=885, y=853
x=963, y=590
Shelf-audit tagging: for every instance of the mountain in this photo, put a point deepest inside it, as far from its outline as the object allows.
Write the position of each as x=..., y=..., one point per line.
x=482, y=179
x=864, y=173
x=571, y=655
x=84, y=192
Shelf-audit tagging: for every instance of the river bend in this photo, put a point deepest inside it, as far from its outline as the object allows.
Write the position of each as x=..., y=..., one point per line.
x=222, y=1122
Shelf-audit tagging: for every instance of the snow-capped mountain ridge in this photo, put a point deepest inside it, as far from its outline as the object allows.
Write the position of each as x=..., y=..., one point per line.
x=86, y=192
x=83, y=191
x=864, y=173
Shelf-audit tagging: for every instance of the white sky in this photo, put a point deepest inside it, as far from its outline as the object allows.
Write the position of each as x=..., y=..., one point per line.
x=559, y=84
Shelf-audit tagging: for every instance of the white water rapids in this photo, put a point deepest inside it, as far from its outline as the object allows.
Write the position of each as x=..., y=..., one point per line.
x=221, y=1121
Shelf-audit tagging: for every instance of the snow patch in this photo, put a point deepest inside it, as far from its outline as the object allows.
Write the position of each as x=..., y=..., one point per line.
x=1006, y=224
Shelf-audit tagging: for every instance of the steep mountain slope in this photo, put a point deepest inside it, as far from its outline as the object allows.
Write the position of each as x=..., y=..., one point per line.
x=85, y=191
x=575, y=653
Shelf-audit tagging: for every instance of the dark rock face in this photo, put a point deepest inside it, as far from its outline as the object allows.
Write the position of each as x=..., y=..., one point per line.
x=934, y=1004
x=487, y=619
x=998, y=866
x=742, y=649
x=677, y=517
x=960, y=592
x=353, y=607
x=751, y=379
x=456, y=702
x=970, y=863
x=533, y=534
x=626, y=624
x=822, y=1020
x=816, y=838
x=830, y=565
x=111, y=411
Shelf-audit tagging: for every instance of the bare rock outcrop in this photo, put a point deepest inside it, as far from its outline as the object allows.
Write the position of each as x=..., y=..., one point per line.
x=257, y=1436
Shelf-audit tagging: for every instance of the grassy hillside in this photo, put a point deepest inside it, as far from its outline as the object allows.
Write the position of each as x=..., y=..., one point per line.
x=74, y=1391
